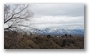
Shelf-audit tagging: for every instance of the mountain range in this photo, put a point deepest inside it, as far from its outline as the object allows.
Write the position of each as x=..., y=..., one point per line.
x=59, y=31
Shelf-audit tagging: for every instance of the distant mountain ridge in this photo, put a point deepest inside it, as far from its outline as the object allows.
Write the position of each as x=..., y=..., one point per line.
x=59, y=31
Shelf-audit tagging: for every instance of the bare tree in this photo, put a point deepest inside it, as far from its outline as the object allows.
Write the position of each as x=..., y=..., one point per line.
x=15, y=14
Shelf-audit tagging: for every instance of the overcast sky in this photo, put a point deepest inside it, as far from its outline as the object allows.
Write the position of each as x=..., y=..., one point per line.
x=58, y=15
x=58, y=9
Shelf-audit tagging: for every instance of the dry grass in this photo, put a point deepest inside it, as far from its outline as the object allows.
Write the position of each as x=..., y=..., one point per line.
x=15, y=40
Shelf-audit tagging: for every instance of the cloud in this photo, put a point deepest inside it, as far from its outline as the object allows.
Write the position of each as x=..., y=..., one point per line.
x=58, y=21
x=58, y=16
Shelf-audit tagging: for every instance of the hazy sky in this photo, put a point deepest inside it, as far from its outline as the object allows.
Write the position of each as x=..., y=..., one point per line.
x=58, y=15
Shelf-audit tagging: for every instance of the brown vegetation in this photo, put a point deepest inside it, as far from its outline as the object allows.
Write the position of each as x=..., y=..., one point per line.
x=15, y=40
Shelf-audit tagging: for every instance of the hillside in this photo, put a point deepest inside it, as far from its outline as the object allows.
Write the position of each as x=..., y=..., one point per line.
x=15, y=40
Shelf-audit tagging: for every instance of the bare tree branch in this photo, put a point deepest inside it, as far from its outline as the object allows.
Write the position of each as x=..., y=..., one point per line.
x=21, y=10
x=15, y=13
x=8, y=19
